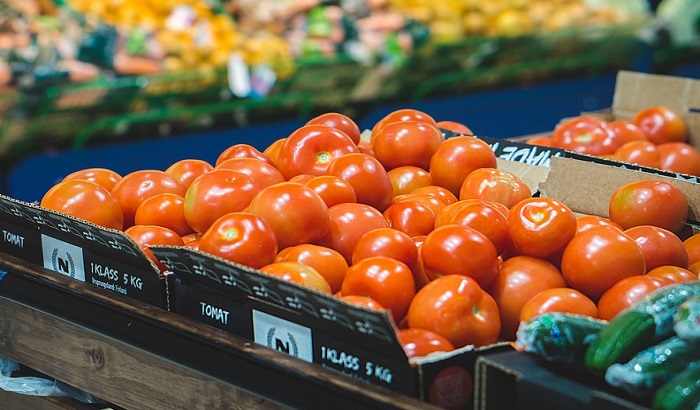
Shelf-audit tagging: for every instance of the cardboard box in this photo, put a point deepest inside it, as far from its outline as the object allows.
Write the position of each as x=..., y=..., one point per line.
x=106, y=258
x=518, y=381
x=358, y=342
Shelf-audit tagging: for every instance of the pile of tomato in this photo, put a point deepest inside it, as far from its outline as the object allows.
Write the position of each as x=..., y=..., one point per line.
x=655, y=137
x=400, y=218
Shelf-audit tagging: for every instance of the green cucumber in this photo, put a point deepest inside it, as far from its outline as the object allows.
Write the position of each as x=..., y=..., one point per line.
x=652, y=367
x=639, y=326
x=686, y=322
x=558, y=337
x=681, y=392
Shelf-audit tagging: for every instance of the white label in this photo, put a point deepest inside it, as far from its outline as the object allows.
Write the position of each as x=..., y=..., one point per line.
x=282, y=335
x=62, y=257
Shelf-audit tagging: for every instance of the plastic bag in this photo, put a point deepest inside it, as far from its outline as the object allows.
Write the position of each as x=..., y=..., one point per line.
x=32, y=386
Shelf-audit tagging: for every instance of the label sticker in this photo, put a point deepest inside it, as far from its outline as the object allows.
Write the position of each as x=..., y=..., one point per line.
x=63, y=257
x=282, y=335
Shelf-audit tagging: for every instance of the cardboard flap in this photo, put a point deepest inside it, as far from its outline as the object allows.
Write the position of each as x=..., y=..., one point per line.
x=532, y=175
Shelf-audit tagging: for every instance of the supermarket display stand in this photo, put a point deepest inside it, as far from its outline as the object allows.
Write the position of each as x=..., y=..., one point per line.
x=137, y=356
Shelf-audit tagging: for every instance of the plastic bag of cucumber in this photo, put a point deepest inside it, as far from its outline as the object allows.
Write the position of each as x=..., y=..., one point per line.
x=650, y=350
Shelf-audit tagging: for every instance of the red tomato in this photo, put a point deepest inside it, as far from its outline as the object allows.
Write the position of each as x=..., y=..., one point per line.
x=428, y=200
x=627, y=291
x=406, y=143
x=517, y=281
x=329, y=263
x=649, y=201
x=456, y=158
x=242, y=151
x=679, y=157
x=311, y=148
x=242, y=238
x=302, y=178
x=333, y=190
x=187, y=170
x=487, y=219
x=422, y=342
x=298, y=273
x=296, y=213
x=599, y=257
x=456, y=307
x=215, y=194
x=405, y=179
x=540, y=226
x=624, y=131
x=692, y=246
x=167, y=210
x=659, y=246
x=348, y=222
x=584, y=134
x=496, y=185
x=661, y=124
x=386, y=280
x=455, y=126
x=694, y=268
x=443, y=194
x=400, y=115
x=542, y=141
x=273, y=150
x=640, y=152
x=101, y=176
x=452, y=388
x=456, y=249
x=367, y=176
x=563, y=299
x=410, y=217
x=363, y=301
x=386, y=242
x=86, y=200
x=262, y=173
x=147, y=235
x=673, y=273
x=137, y=186
x=584, y=222
x=338, y=121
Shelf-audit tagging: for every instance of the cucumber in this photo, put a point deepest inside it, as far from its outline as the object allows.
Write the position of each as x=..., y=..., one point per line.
x=652, y=367
x=686, y=322
x=681, y=392
x=558, y=337
x=639, y=326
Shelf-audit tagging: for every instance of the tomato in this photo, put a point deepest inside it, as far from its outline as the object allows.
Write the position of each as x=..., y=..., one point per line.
x=400, y=115
x=627, y=291
x=562, y=299
x=540, y=226
x=421, y=342
x=443, y=194
x=273, y=150
x=517, y=281
x=296, y=213
x=187, y=170
x=147, y=235
x=428, y=200
x=367, y=176
x=456, y=307
x=659, y=246
x=406, y=143
x=694, y=268
x=348, y=222
x=449, y=211
x=298, y=273
x=311, y=148
x=456, y=249
x=387, y=242
x=599, y=257
x=673, y=273
x=584, y=134
x=640, y=152
x=328, y=262
x=302, y=178
x=584, y=222
x=333, y=190
x=661, y=124
x=135, y=187
x=386, y=280
x=456, y=158
x=452, y=388
x=679, y=157
x=101, y=176
x=692, y=246
x=649, y=201
x=240, y=237
x=487, y=219
x=455, y=126
x=365, y=147
x=407, y=178
x=262, y=173
x=363, y=301
x=242, y=151
x=338, y=121
x=410, y=217
x=86, y=200
x=215, y=194
x=496, y=185
x=624, y=131
x=167, y=210
x=542, y=141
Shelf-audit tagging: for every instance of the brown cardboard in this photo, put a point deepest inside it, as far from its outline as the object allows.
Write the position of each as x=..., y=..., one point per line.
x=532, y=175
